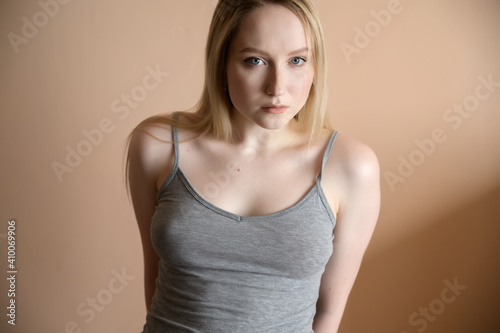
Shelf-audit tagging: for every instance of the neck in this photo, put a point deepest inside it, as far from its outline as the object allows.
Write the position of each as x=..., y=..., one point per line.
x=249, y=136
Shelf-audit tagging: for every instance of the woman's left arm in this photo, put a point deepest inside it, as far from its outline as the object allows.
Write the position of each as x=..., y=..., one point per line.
x=358, y=171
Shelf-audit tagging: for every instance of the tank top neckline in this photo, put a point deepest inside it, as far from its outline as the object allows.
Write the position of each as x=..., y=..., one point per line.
x=316, y=188
x=247, y=218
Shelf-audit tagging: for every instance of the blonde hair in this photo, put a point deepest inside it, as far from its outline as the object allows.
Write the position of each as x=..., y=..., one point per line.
x=212, y=112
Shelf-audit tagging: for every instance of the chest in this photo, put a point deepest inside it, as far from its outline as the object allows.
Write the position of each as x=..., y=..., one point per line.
x=249, y=185
x=295, y=243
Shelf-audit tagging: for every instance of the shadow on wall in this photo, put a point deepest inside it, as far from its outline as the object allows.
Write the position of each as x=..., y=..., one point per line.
x=445, y=279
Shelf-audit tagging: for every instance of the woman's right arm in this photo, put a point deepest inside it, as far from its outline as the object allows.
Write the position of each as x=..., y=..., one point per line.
x=149, y=160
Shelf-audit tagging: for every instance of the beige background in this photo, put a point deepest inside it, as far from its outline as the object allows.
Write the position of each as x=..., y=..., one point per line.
x=76, y=233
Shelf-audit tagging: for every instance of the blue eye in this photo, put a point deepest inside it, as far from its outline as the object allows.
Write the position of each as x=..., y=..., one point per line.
x=298, y=61
x=254, y=61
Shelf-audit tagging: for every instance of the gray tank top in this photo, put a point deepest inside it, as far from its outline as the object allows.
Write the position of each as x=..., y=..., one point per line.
x=221, y=272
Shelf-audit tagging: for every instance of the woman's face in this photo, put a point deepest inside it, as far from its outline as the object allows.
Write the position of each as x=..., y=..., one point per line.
x=269, y=67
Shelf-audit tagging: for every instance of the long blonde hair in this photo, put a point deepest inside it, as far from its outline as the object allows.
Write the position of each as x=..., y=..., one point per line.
x=212, y=112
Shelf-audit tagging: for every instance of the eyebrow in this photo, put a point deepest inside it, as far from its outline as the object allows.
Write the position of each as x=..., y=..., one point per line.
x=255, y=50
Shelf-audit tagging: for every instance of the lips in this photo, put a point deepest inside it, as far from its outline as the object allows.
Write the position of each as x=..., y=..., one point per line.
x=275, y=108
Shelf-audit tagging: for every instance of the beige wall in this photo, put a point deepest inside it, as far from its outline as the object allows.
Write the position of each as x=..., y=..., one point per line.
x=75, y=234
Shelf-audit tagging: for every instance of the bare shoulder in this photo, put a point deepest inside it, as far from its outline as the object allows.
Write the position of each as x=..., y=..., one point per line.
x=356, y=159
x=352, y=168
x=151, y=151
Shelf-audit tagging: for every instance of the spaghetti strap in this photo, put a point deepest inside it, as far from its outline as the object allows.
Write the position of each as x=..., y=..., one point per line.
x=327, y=153
x=175, y=141
x=175, y=167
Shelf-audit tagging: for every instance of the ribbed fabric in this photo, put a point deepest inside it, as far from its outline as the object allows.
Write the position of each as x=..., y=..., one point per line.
x=220, y=272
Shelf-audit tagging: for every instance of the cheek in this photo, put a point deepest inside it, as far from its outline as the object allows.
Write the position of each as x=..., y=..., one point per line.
x=300, y=85
x=246, y=78
x=243, y=85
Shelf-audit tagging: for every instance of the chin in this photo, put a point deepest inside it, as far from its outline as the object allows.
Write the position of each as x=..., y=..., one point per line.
x=275, y=122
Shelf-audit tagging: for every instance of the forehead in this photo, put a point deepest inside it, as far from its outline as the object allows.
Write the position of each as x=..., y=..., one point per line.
x=272, y=27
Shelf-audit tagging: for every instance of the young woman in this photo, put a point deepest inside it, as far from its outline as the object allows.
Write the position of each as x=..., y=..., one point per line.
x=237, y=201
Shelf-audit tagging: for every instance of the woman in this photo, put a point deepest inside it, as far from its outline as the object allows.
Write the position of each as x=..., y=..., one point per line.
x=237, y=201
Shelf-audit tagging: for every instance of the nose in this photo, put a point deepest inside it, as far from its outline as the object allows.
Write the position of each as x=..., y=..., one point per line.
x=275, y=82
